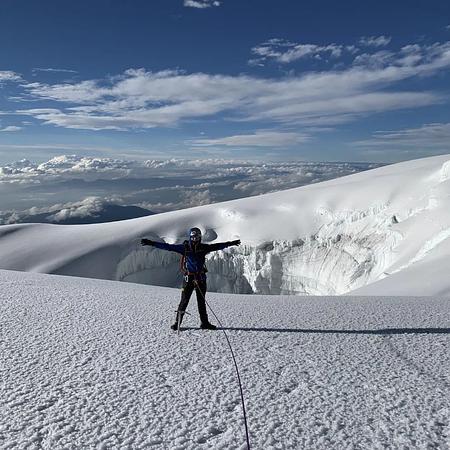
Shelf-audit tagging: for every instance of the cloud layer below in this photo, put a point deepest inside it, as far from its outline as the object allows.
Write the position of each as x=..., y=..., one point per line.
x=71, y=186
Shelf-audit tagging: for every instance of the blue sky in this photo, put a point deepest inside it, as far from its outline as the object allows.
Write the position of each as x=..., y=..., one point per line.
x=232, y=79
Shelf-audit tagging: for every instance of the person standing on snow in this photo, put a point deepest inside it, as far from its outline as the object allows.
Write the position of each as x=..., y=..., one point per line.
x=193, y=265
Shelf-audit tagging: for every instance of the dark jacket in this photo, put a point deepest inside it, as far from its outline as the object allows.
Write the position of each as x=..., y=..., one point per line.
x=194, y=253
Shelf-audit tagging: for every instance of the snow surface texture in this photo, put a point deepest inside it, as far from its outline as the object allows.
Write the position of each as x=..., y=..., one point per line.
x=92, y=364
x=383, y=231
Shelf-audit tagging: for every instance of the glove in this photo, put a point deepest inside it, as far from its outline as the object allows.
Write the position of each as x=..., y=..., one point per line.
x=146, y=242
x=236, y=242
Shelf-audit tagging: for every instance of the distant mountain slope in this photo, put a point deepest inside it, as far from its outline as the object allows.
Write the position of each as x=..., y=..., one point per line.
x=93, y=364
x=324, y=239
x=107, y=213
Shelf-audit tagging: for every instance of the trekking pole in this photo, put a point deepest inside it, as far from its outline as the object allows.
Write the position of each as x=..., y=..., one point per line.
x=180, y=315
x=235, y=365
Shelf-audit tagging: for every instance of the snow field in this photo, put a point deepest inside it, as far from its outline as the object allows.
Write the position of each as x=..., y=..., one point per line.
x=93, y=364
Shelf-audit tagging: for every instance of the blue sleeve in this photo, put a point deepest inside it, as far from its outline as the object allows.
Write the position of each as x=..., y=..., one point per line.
x=218, y=246
x=178, y=248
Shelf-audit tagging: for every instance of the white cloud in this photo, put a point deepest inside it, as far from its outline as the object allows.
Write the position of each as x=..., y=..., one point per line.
x=290, y=175
x=201, y=4
x=285, y=51
x=68, y=165
x=74, y=163
x=138, y=99
x=375, y=60
x=428, y=136
x=81, y=92
x=375, y=41
x=89, y=207
x=340, y=109
x=260, y=138
x=11, y=128
x=35, y=150
x=196, y=198
x=53, y=70
x=8, y=75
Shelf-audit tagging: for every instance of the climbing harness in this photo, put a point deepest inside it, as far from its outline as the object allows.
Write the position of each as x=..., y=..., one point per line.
x=183, y=266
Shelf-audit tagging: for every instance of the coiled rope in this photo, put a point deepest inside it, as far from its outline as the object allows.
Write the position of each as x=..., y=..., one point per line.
x=235, y=363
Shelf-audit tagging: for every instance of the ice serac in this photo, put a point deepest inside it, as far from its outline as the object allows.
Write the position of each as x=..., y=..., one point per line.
x=348, y=251
x=322, y=264
x=330, y=238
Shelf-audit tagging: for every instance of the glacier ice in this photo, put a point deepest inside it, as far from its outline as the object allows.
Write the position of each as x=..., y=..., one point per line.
x=352, y=249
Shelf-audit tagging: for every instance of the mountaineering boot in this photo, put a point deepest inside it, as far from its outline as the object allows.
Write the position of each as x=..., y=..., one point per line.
x=208, y=326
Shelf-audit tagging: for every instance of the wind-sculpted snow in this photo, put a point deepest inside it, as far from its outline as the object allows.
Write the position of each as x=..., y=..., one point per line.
x=329, y=238
x=92, y=364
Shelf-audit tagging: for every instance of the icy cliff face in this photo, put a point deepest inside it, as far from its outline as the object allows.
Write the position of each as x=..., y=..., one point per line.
x=328, y=263
x=349, y=251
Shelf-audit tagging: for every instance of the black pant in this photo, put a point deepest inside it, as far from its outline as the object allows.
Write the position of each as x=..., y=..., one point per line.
x=190, y=283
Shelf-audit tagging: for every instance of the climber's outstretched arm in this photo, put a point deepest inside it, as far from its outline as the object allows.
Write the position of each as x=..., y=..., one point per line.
x=222, y=245
x=178, y=248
